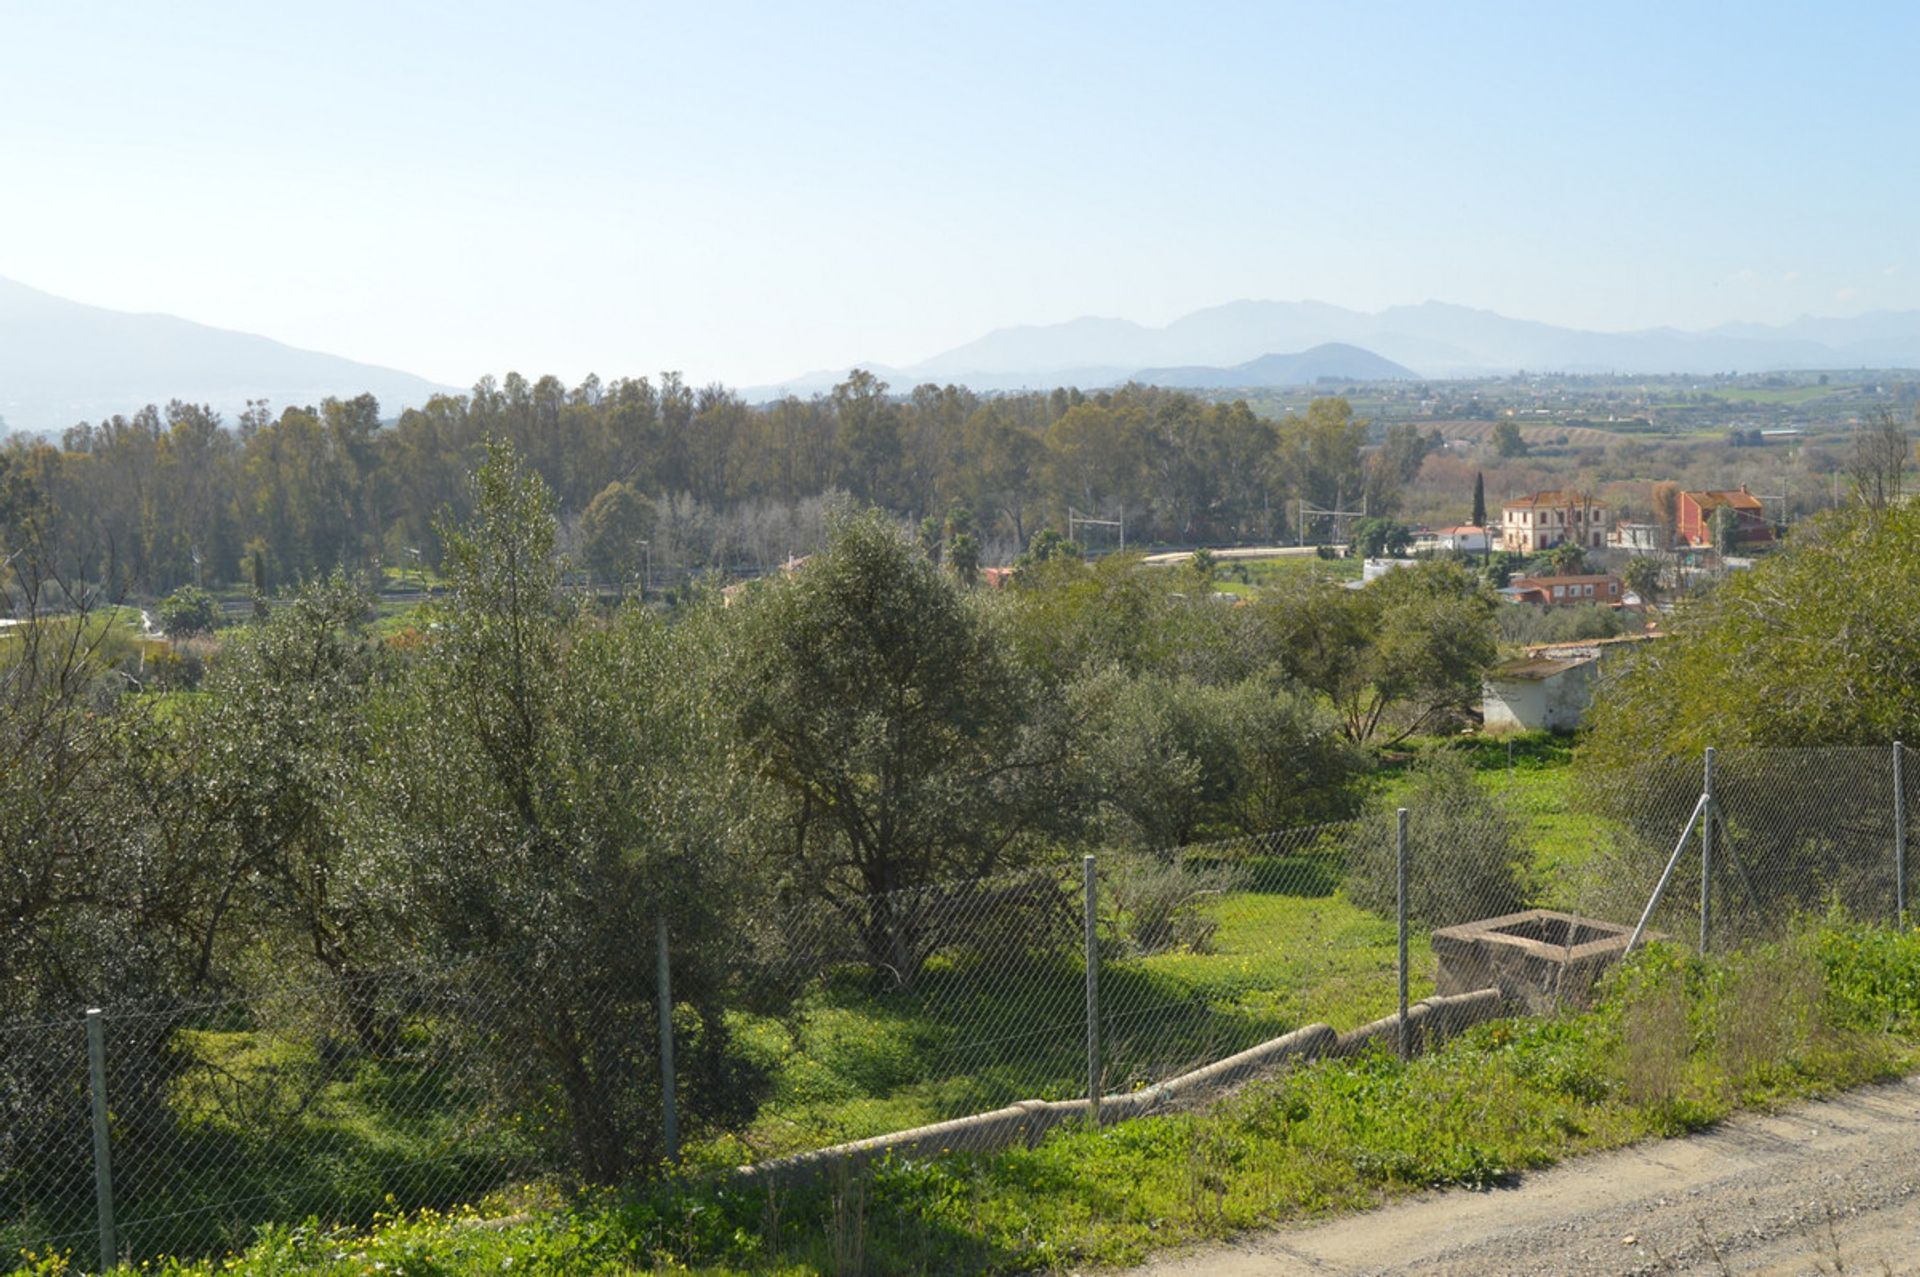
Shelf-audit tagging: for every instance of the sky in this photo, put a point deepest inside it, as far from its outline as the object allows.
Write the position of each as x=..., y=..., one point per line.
x=748, y=192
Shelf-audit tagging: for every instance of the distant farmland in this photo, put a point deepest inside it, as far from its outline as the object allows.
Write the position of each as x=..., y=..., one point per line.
x=1541, y=434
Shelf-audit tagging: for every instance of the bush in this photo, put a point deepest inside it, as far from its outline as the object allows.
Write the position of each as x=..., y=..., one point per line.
x=1524, y=625
x=1464, y=856
x=186, y=612
x=1160, y=907
x=1175, y=760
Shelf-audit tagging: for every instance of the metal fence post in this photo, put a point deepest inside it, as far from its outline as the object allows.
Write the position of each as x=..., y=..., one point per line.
x=1899, y=840
x=663, y=1003
x=1093, y=993
x=1400, y=876
x=1706, y=856
x=102, y=1145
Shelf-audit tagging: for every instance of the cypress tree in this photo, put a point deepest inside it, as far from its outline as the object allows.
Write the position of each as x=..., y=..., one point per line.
x=1479, y=519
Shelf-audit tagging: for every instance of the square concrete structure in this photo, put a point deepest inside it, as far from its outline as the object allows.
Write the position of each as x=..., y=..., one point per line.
x=1538, y=958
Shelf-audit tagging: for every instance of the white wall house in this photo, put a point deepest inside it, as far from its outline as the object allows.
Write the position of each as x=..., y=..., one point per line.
x=1538, y=693
x=1640, y=538
x=1550, y=687
x=1529, y=525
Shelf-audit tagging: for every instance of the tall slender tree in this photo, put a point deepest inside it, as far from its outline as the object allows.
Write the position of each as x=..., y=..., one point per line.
x=1479, y=499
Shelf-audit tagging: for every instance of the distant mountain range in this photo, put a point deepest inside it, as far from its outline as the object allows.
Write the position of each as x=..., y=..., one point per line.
x=1223, y=345
x=62, y=362
x=1334, y=361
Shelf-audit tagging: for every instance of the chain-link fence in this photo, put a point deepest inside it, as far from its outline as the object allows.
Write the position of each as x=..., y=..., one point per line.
x=854, y=1016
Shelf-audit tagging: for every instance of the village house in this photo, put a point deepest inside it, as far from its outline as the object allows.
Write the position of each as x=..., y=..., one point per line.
x=1550, y=687
x=1529, y=525
x=1638, y=538
x=1466, y=539
x=1694, y=512
x=1558, y=591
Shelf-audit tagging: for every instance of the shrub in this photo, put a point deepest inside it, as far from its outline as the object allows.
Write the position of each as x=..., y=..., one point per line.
x=186, y=612
x=1463, y=850
x=1160, y=906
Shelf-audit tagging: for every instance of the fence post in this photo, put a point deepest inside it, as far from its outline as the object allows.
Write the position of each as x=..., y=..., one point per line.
x=1706, y=856
x=1400, y=894
x=1093, y=993
x=102, y=1145
x=1899, y=840
x=663, y=1004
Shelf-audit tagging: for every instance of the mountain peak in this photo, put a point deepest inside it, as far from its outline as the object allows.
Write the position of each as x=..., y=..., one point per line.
x=63, y=361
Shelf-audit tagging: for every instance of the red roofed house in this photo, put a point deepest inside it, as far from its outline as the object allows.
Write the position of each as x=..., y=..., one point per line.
x=1552, y=591
x=1693, y=514
x=1529, y=525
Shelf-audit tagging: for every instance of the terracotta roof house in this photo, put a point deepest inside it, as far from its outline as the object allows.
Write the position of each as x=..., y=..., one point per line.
x=1529, y=525
x=1555, y=591
x=1466, y=538
x=1694, y=512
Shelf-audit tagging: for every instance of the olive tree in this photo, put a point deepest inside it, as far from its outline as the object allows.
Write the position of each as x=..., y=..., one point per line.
x=1174, y=760
x=554, y=789
x=881, y=703
x=1393, y=658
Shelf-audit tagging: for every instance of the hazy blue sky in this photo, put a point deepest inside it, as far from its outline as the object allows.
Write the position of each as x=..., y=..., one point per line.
x=746, y=192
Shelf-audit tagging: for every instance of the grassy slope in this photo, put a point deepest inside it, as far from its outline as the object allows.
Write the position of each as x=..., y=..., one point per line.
x=1674, y=1045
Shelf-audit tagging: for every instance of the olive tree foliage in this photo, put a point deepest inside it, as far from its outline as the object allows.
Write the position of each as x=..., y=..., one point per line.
x=187, y=612
x=551, y=790
x=1172, y=761
x=276, y=750
x=909, y=752
x=1465, y=861
x=78, y=918
x=1817, y=644
x=98, y=906
x=1394, y=658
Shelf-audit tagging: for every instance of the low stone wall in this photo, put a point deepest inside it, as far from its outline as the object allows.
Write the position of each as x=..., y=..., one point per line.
x=1024, y=1123
x=1432, y=1021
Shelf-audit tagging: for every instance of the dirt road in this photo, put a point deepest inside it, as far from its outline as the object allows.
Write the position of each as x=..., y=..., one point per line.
x=1823, y=1188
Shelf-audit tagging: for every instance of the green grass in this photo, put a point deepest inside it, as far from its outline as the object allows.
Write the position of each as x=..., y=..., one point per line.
x=1675, y=1044
x=1532, y=773
x=851, y=1063
x=1787, y=395
x=1287, y=948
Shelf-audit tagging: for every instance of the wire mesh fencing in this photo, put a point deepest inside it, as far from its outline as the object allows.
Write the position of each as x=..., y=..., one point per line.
x=848, y=1015
x=1212, y=949
x=869, y=1014
x=405, y=1088
x=46, y=1143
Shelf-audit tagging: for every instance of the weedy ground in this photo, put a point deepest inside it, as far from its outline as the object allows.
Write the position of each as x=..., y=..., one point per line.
x=1674, y=1043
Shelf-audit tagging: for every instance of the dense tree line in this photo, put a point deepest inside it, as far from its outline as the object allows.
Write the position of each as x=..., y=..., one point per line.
x=177, y=496
x=504, y=799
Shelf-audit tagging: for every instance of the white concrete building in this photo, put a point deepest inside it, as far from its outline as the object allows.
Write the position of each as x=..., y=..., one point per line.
x=1549, y=688
x=1538, y=693
x=1529, y=525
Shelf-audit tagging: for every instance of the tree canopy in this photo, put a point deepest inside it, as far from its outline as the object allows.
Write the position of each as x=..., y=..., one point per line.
x=1816, y=644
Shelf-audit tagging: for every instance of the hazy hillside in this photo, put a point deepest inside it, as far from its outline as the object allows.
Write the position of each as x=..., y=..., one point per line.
x=1335, y=361
x=63, y=362
x=1433, y=339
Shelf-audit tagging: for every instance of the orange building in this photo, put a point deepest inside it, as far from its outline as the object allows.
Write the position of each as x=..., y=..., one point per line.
x=1693, y=515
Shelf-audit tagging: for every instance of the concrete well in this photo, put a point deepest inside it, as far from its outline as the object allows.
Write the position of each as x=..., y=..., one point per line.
x=1538, y=958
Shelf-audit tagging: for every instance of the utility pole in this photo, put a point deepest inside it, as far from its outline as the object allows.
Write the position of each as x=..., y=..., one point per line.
x=1074, y=518
x=1336, y=514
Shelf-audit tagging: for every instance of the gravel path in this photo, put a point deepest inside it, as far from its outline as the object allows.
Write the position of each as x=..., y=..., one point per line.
x=1827, y=1187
